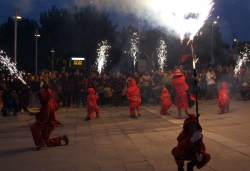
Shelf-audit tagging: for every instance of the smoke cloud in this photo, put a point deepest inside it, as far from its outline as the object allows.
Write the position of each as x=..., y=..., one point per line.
x=182, y=16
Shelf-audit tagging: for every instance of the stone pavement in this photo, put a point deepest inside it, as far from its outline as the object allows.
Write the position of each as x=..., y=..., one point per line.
x=116, y=142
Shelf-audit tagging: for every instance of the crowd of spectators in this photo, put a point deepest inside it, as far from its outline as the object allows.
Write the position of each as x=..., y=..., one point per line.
x=71, y=87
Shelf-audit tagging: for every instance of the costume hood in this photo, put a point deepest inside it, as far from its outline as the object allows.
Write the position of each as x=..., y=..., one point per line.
x=177, y=73
x=45, y=96
x=190, y=119
x=224, y=85
x=132, y=83
x=91, y=91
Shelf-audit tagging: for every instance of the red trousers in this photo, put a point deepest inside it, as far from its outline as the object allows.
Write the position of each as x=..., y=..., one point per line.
x=224, y=105
x=133, y=106
x=91, y=110
x=180, y=156
x=41, y=136
x=164, y=109
x=181, y=101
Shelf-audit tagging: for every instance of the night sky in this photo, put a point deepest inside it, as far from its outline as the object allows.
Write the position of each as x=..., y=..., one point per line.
x=234, y=14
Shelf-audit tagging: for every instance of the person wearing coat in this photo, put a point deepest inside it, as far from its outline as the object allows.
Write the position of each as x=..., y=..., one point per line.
x=92, y=104
x=165, y=102
x=181, y=92
x=223, y=98
x=45, y=123
x=189, y=140
x=134, y=99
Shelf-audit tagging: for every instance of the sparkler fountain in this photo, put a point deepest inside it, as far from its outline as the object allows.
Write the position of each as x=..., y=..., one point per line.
x=10, y=66
x=242, y=60
x=102, y=54
x=161, y=53
x=134, y=51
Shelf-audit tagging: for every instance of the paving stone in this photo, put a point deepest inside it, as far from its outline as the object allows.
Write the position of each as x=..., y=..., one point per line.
x=120, y=143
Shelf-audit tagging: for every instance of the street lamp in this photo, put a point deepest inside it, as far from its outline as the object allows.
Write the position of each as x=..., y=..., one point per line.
x=53, y=52
x=212, y=42
x=16, y=17
x=36, y=35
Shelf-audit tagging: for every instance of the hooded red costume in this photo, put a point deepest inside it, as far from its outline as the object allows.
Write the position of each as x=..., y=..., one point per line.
x=180, y=87
x=223, y=98
x=165, y=102
x=187, y=149
x=134, y=98
x=91, y=103
x=45, y=122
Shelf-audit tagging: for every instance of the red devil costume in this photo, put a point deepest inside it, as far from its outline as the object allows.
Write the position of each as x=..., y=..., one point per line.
x=134, y=98
x=165, y=102
x=180, y=87
x=45, y=123
x=187, y=149
x=223, y=98
x=92, y=105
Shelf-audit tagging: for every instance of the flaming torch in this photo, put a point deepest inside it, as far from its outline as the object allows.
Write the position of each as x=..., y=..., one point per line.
x=10, y=66
x=242, y=60
x=134, y=51
x=161, y=53
x=102, y=54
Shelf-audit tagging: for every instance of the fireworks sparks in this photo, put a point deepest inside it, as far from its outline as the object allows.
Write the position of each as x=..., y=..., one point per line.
x=184, y=17
x=162, y=53
x=10, y=66
x=134, y=47
x=242, y=60
x=102, y=54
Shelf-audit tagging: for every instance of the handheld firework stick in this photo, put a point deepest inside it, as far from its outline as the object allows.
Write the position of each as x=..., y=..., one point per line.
x=194, y=19
x=196, y=94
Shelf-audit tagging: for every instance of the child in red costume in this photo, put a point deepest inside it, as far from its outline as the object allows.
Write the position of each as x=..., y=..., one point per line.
x=45, y=123
x=223, y=98
x=134, y=98
x=180, y=87
x=92, y=105
x=187, y=149
x=165, y=102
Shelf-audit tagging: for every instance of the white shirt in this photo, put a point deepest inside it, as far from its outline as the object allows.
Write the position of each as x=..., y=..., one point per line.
x=210, y=78
x=146, y=83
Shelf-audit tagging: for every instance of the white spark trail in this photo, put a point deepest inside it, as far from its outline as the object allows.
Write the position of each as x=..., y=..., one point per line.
x=242, y=60
x=102, y=54
x=10, y=66
x=162, y=53
x=134, y=48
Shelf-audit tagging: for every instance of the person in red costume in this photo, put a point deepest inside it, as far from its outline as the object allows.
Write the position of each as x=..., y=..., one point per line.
x=55, y=105
x=92, y=105
x=223, y=98
x=45, y=123
x=134, y=99
x=187, y=149
x=180, y=87
x=165, y=102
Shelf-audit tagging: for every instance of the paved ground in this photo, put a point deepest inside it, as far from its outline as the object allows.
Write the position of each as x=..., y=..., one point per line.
x=117, y=142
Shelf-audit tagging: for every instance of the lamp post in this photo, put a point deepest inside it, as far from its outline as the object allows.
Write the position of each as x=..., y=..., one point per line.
x=36, y=35
x=16, y=17
x=53, y=52
x=212, y=43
